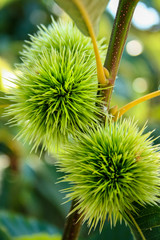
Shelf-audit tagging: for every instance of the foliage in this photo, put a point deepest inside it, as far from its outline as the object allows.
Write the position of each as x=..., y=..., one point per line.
x=4, y=234
x=24, y=229
x=36, y=194
x=39, y=237
x=75, y=9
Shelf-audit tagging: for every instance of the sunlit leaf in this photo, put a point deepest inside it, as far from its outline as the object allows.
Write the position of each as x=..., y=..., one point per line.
x=39, y=237
x=4, y=2
x=86, y=15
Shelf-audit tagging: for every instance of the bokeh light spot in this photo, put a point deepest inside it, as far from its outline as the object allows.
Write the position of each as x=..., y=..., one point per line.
x=134, y=48
x=140, y=85
x=145, y=17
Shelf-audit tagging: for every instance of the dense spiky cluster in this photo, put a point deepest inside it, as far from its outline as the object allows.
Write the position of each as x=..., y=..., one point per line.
x=110, y=169
x=56, y=90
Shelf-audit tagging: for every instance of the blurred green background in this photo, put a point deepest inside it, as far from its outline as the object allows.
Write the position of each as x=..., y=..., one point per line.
x=30, y=199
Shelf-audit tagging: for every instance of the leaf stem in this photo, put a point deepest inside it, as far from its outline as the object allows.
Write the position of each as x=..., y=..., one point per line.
x=136, y=225
x=72, y=225
x=100, y=71
x=117, y=41
x=137, y=101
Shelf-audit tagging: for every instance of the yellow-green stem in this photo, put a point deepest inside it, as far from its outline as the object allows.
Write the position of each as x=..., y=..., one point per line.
x=100, y=71
x=136, y=225
x=137, y=101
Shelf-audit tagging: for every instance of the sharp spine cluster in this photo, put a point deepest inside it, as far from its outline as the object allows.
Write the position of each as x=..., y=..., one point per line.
x=110, y=169
x=56, y=92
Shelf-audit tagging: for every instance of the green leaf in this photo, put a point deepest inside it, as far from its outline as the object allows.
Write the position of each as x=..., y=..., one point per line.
x=4, y=234
x=39, y=237
x=3, y=3
x=148, y=222
x=120, y=231
x=17, y=225
x=93, y=8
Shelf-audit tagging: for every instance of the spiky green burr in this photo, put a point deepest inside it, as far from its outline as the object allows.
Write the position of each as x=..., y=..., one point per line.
x=110, y=169
x=56, y=92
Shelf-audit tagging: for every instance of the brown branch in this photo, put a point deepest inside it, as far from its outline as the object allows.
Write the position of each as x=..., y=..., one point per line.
x=117, y=41
x=72, y=225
